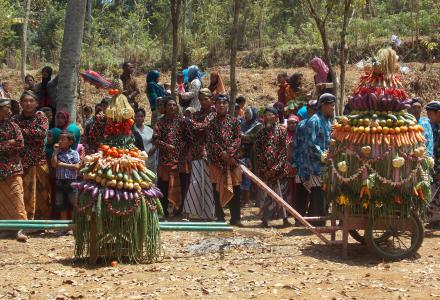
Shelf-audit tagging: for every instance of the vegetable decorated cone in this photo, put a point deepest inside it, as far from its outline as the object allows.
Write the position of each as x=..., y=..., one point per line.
x=118, y=191
x=377, y=158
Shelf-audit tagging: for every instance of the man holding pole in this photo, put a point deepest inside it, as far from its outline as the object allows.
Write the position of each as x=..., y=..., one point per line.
x=271, y=145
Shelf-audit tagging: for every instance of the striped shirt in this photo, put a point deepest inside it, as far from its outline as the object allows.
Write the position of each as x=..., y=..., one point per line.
x=70, y=157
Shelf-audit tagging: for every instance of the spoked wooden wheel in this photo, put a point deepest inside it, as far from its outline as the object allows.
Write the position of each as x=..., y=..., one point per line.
x=394, y=237
x=358, y=235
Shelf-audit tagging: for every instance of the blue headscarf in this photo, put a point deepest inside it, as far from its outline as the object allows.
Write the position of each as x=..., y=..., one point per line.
x=56, y=132
x=73, y=129
x=153, y=88
x=195, y=73
x=185, y=75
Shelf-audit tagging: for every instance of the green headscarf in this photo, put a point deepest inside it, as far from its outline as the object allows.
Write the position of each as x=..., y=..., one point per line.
x=56, y=132
x=73, y=129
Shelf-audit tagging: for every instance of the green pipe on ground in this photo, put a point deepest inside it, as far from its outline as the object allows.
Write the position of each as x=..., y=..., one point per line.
x=195, y=228
x=164, y=227
x=36, y=221
x=70, y=222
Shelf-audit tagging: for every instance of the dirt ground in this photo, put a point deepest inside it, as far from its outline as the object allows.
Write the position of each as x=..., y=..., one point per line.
x=253, y=263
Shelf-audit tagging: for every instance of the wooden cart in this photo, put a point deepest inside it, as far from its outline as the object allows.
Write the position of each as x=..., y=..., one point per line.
x=390, y=238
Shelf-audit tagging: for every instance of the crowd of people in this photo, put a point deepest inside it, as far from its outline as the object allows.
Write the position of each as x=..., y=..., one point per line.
x=194, y=145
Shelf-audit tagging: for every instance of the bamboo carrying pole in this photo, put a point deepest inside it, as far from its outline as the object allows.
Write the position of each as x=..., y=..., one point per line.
x=283, y=203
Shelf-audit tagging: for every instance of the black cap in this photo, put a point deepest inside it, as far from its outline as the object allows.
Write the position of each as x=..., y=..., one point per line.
x=221, y=97
x=327, y=98
x=433, y=105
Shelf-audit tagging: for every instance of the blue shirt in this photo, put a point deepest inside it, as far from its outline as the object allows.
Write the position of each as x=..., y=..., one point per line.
x=317, y=132
x=427, y=131
x=298, y=149
x=70, y=157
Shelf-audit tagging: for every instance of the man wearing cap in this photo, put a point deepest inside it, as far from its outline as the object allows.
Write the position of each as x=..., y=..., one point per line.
x=433, y=111
x=34, y=126
x=272, y=166
x=299, y=165
x=223, y=145
x=199, y=200
x=416, y=110
x=11, y=169
x=317, y=136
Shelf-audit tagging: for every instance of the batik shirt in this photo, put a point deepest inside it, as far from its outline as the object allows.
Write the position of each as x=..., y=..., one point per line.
x=271, y=148
x=10, y=161
x=436, y=135
x=427, y=131
x=317, y=132
x=299, y=148
x=223, y=135
x=96, y=134
x=197, y=129
x=34, y=130
x=171, y=132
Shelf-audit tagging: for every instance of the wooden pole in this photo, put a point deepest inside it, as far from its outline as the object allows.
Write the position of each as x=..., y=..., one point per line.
x=283, y=203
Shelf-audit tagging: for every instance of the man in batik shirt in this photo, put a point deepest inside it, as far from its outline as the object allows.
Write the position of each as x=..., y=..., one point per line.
x=433, y=110
x=272, y=166
x=168, y=138
x=199, y=201
x=317, y=132
x=223, y=145
x=34, y=126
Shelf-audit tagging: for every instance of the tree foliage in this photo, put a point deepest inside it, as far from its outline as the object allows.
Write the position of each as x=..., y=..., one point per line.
x=141, y=30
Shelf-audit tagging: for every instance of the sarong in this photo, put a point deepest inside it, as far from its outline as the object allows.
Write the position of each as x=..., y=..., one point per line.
x=199, y=200
x=29, y=188
x=43, y=209
x=434, y=205
x=225, y=180
x=170, y=174
x=11, y=199
x=270, y=208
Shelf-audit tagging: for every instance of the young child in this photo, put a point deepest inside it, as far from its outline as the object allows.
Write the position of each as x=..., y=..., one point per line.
x=66, y=163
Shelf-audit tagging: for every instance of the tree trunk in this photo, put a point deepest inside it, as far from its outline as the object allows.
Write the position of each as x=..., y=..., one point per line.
x=70, y=56
x=183, y=59
x=343, y=56
x=88, y=31
x=233, y=57
x=24, y=43
x=175, y=9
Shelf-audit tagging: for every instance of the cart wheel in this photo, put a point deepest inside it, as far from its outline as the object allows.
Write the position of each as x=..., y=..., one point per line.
x=358, y=236
x=394, y=238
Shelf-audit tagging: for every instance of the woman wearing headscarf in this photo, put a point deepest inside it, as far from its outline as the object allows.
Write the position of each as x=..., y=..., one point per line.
x=46, y=90
x=216, y=84
x=11, y=170
x=76, y=131
x=34, y=126
x=62, y=120
x=195, y=78
x=53, y=135
x=249, y=128
x=154, y=91
x=323, y=77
